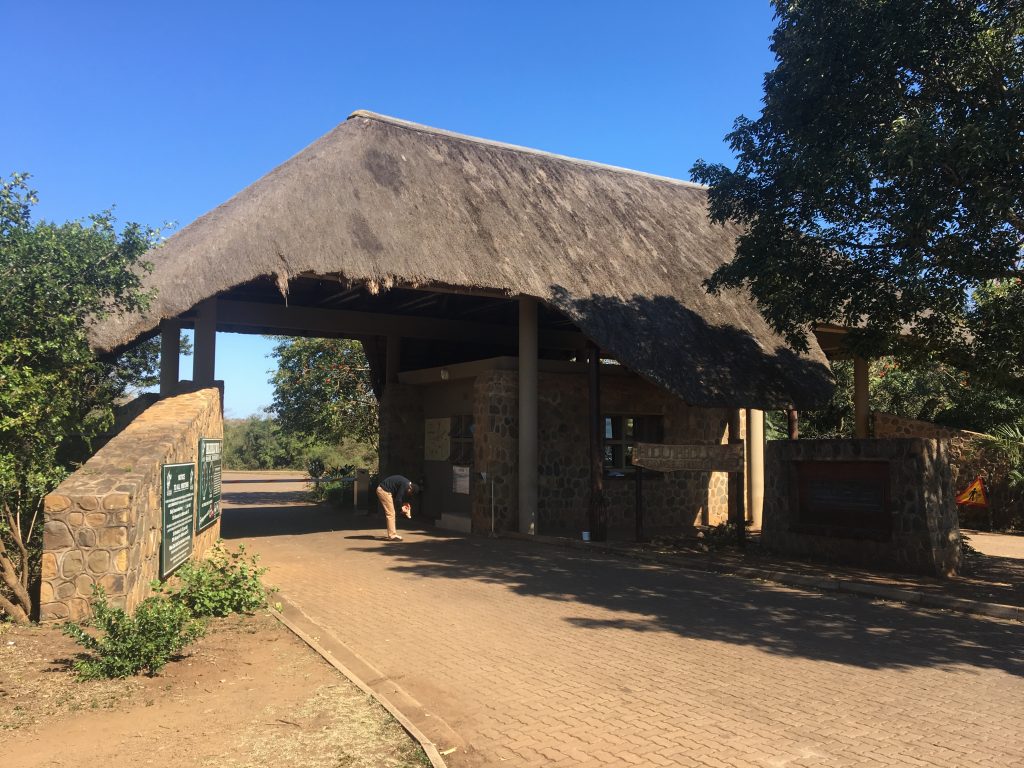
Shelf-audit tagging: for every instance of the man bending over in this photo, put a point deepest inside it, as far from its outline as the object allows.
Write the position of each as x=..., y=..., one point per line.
x=395, y=491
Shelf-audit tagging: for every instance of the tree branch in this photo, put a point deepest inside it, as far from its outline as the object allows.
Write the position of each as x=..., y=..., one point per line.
x=16, y=612
x=10, y=577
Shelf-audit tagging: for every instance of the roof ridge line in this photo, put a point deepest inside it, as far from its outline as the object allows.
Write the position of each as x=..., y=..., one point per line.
x=518, y=148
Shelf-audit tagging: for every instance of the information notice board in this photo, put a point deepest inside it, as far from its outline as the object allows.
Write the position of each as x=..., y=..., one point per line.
x=178, y=504
x=436, y=439
x=209, y=482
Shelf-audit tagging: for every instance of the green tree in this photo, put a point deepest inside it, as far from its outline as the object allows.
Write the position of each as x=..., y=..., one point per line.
x=927, y=392
x=322, y=391
x=257, y=443
x=882, y=186
x=54, y=393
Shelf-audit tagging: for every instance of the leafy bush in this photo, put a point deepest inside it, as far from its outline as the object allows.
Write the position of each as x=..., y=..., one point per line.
x=55, y=394
x=224, y=583
x=316, y=468
x=338, y=493
x=143, y=642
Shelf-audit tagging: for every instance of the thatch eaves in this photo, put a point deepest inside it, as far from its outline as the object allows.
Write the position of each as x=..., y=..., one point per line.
x=380, y=201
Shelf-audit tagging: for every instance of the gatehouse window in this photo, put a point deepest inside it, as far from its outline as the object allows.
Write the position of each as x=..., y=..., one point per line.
x=621, y=432
x=461, y=440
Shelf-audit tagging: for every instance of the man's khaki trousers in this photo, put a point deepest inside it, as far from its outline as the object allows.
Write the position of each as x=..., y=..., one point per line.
x=388, y=502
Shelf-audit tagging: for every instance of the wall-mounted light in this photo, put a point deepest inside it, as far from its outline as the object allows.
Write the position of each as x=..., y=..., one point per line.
x=445, y=375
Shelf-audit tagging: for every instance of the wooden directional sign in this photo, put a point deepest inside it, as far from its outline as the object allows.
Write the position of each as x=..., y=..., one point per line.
x=178, y=496
x=691, y=457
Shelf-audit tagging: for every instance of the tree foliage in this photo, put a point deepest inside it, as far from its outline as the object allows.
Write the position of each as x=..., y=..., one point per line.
x=258, y=443
x=54, y=393
x=882, y=185
x=928, y=392
x=322, y=391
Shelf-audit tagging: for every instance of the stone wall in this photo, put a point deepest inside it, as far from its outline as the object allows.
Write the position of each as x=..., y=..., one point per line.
x=401, y=432
x=496, y=450
x=924, y=538
x=672, y=502
x=970, y=454
x=103, y=524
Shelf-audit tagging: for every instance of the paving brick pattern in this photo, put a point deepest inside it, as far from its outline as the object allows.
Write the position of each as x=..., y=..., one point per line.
x=539, y=656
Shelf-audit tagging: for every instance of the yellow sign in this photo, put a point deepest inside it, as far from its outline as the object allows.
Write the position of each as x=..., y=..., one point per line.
x=974, y=494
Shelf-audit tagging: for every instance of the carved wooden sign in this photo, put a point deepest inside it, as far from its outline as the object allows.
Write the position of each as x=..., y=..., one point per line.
x=690, y=457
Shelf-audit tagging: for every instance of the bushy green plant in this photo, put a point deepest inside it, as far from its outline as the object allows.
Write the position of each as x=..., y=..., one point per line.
x=316, y=468
x=128, y=644
x=338, y=493
x=1009, y=441
x=224, y=583
x=55, y=394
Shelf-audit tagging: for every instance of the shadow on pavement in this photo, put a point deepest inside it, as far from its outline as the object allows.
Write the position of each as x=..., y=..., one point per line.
x=274, y=514
x=264, y=480
x=841, y=629
x=652, y=598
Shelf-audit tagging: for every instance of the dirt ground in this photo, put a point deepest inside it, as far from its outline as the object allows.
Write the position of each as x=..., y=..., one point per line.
x=247, y=694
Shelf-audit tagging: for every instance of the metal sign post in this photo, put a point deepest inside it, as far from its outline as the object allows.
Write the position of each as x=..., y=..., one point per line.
x=178, y=487
x=210, y=450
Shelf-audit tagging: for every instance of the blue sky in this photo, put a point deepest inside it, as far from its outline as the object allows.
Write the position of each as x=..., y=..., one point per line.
x=166, y=110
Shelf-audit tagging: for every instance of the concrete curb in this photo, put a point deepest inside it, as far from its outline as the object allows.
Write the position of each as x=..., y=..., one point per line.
x=823, y=583
x=291, y=617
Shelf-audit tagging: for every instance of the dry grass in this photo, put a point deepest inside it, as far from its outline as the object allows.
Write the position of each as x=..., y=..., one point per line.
x=36, y=685
x=249, y=694
x=338, y=726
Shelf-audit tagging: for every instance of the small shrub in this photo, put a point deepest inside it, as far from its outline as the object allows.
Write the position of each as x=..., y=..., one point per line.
x=128, y=644
x=316, y=468
x=339, y=493
x=222, y=584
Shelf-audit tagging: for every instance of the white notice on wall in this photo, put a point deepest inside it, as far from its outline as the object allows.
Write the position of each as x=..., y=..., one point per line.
x=460, y=479
x=435, y=439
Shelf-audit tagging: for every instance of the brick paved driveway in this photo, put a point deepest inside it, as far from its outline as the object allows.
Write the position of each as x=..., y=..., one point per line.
x=540, y=656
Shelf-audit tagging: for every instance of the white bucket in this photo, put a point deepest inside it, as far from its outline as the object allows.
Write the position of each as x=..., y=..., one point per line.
x=586, y=535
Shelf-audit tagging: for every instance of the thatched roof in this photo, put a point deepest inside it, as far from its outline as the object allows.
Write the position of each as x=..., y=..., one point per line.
x=384, y=202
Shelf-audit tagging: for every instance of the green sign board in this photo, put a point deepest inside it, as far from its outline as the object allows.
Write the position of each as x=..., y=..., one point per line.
x=209, y=482
x=178, y=483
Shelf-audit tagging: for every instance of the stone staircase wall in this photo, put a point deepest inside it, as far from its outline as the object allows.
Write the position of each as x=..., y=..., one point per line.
x=103, y=523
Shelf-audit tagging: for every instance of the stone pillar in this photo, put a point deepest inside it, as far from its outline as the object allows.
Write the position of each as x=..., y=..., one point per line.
x=361, y=490
x=170, y=350
x=527, y=470
x=755, y=466
x=861, y=369
x=737, y=514
x=597, y=519
x=393, y=360
x=205, y=344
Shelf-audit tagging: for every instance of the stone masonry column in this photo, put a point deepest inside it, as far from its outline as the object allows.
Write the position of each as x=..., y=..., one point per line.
x=527, y=470
x=205, y=344
x=755, y=466
x=861, y=369
x=170, y=350
x=393, y=359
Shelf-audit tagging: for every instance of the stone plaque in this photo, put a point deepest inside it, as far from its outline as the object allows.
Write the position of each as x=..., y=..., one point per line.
x=844, y=497
x=178, y=505
x=691, y=457
x=209, y=482
x=436, y=439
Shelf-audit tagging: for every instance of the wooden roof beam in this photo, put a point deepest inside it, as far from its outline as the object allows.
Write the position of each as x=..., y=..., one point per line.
x=255, y=317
